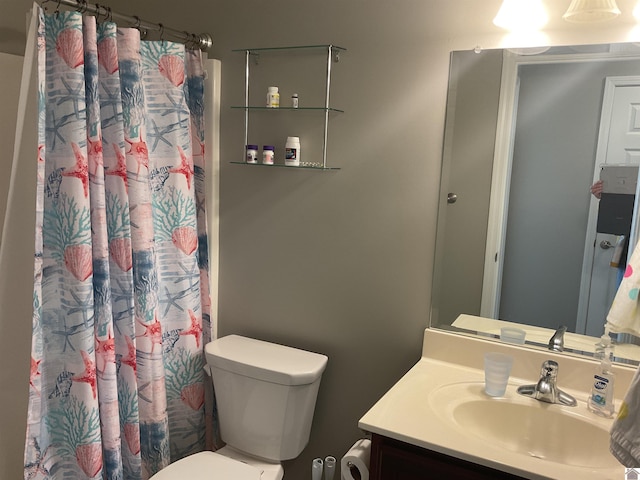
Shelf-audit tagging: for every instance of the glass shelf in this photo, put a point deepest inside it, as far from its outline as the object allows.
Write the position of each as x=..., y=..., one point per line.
x=301, y=167
x=297, y=47
x=321, y=109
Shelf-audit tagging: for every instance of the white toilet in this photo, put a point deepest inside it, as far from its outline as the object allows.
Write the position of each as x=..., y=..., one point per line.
x=266, y=395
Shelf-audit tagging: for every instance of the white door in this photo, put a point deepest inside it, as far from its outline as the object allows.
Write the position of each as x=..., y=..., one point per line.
x=618, y=143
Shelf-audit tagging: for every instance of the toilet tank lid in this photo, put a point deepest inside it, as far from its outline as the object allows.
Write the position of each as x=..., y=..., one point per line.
x=266, y=361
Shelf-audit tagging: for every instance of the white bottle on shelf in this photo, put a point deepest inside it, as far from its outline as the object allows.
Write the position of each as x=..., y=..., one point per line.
x=292, y=152
x=273, y=97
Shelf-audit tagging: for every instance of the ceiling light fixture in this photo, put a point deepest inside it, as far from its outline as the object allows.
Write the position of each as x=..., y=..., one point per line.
x=521, y=15
x=636, y=11
x=591, y=11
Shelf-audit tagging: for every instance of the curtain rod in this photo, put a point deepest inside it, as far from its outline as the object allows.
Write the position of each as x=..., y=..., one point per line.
x=203, y=41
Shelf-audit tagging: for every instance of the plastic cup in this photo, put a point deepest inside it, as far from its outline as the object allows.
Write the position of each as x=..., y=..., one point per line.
x=497, y=368
x=512, y=335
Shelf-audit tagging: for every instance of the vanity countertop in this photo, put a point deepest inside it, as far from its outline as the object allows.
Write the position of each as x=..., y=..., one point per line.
x=407, y=412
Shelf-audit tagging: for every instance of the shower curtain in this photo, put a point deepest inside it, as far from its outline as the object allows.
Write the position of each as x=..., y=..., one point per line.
x=121, y=292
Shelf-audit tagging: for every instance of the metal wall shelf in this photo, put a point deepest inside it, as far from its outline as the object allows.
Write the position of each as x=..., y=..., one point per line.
x=333, y=56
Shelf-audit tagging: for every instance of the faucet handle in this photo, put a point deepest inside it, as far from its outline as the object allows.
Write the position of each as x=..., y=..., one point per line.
x=549, y=369
x=546, y=390
x=556, y=342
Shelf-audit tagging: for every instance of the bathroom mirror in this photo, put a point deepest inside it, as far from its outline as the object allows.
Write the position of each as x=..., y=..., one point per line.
x=527, y=133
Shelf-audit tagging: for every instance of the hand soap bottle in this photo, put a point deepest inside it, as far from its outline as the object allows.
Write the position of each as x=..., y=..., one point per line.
x=600, y=400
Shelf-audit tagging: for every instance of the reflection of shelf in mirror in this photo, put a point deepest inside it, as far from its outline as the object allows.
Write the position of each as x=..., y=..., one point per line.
x=273, y=109
x=301, y=167
x=297, y=47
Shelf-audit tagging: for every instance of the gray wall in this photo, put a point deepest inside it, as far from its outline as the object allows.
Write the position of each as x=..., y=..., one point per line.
x=335, y=262
x=15, y=329
x=10, y=71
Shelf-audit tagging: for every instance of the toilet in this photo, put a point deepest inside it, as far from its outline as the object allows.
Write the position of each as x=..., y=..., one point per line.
x=266, y=395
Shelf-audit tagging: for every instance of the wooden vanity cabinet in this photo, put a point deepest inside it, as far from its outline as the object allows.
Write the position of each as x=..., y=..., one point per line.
x=395, y=460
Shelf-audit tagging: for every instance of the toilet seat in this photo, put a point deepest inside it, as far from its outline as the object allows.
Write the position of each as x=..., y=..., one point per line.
x=269, y=470
x=207, y=466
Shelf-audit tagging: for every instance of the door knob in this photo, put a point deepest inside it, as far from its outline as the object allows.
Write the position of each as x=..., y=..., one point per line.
x=606, y=245
x=452, y=197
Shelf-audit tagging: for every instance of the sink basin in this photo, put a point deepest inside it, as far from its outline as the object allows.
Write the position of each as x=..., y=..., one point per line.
x=555, y=433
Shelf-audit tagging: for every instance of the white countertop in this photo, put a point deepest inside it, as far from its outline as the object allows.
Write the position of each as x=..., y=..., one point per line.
x=407, y=412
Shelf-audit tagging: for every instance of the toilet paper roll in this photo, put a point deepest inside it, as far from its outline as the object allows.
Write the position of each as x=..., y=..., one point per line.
x=356, y=460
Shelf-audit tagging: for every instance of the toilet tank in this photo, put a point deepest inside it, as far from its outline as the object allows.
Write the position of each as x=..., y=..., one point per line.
x=266, y=395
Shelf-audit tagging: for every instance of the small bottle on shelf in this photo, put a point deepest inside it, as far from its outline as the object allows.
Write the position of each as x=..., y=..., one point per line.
x=294, y=100
x=252, y=154
x=267, y=154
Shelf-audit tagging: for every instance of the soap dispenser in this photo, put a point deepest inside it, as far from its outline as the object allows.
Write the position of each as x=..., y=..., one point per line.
x=600, y=400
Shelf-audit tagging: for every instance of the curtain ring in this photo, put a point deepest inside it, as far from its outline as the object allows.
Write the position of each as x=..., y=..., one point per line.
x=161, y=32
x=57, y=12
x=190, y=40
x=82, y=6
x=138, y=26
x=98, y=12
x=109, y=15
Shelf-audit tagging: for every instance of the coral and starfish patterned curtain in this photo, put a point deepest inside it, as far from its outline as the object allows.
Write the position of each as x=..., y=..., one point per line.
x=121, y=299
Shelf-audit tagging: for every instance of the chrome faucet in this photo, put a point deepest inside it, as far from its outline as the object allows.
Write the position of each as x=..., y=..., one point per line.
x=556, y=343
x=546, y=390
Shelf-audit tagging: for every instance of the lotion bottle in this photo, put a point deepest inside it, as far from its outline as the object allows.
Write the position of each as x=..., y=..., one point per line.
x=600, y=400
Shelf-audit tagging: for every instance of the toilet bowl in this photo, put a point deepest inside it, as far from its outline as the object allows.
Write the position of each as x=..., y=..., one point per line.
x=266, y=395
